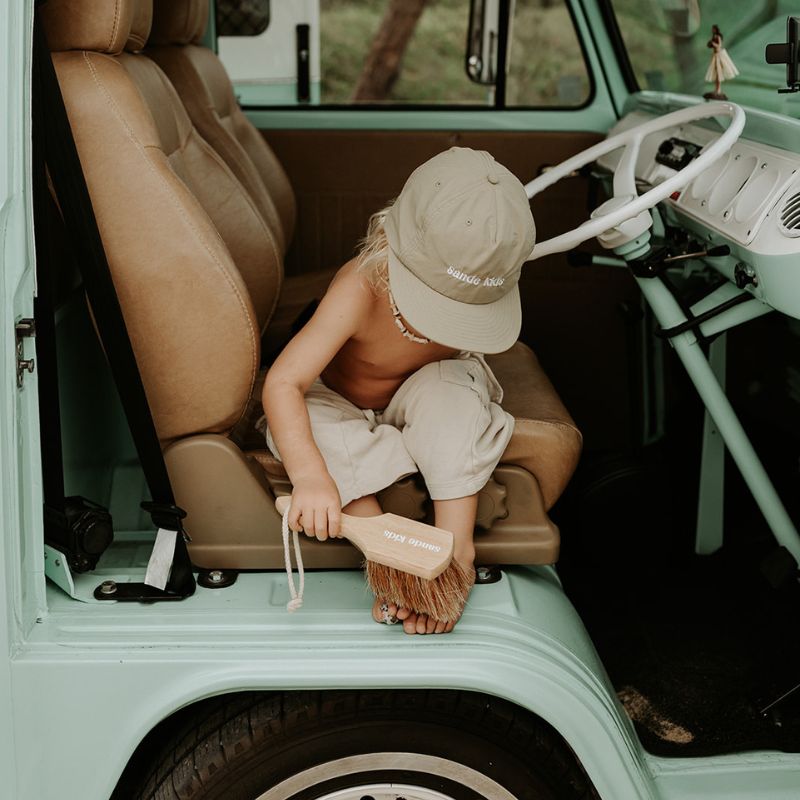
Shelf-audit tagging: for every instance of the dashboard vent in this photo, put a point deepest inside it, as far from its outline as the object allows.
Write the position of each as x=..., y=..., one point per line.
x=790, y=216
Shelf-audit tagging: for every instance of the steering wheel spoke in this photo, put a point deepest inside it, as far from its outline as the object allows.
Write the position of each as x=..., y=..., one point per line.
x=618, y=220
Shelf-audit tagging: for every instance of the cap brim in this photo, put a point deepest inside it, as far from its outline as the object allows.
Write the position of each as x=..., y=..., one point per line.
x=487, y=328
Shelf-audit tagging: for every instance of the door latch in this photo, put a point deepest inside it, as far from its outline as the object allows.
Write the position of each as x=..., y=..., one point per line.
x=24, y=329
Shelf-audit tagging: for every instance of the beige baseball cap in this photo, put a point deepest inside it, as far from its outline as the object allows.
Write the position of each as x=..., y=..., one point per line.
x=458, y=235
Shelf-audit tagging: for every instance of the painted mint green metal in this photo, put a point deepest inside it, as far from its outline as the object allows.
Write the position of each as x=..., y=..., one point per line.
x=760, y=126
x=521, y=639
x=21, y=580
x=711, y=496
x=686, y=345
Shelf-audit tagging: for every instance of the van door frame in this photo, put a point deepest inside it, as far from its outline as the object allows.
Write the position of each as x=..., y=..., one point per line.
x=603, y=110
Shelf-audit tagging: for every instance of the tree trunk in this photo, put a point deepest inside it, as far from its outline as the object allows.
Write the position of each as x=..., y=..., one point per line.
x=382, y=67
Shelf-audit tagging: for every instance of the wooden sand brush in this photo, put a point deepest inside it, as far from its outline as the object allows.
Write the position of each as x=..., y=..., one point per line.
x=407, y=563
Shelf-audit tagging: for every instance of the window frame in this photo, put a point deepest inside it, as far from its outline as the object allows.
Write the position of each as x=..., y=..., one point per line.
x=609, y=17
x=499, y=99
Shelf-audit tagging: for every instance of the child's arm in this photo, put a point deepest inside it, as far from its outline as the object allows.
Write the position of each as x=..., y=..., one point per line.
x=316, y=505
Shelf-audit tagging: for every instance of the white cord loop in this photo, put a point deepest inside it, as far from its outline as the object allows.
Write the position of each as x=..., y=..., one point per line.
x=297, y=595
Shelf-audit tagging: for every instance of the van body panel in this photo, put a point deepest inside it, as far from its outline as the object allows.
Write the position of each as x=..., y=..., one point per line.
x=103, y=675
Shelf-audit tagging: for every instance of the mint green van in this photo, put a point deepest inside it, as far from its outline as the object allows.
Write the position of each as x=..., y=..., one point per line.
x=632, y=634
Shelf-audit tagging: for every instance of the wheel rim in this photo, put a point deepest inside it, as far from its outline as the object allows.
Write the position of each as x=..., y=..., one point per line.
x=386, y=791
x=424, y=765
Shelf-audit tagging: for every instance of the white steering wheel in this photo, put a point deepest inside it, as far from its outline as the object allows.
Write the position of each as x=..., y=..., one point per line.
x=626, y=206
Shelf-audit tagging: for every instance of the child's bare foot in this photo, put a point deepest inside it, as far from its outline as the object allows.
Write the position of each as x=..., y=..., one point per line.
x=389, y=613
x=385, y=613
x=414, y=623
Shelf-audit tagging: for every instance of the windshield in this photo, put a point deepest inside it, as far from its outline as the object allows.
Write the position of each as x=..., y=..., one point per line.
x=667, y=43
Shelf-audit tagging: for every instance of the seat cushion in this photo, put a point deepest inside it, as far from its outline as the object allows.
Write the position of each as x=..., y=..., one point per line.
x=545, y=441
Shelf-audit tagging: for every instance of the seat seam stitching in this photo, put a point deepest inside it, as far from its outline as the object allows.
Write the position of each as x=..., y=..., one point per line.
x=198, y=237
x=115, y=26
x=563, y=425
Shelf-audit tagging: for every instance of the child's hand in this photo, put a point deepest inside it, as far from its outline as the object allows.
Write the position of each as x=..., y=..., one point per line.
x=316, y=508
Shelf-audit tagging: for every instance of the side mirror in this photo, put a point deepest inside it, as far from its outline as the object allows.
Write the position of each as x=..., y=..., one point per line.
x=483, y=35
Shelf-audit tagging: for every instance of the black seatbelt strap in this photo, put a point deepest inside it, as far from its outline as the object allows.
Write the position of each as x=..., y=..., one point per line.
x=54, y=143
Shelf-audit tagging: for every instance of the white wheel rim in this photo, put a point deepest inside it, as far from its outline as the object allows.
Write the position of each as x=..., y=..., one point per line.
x=372, y=762
x=386, y=791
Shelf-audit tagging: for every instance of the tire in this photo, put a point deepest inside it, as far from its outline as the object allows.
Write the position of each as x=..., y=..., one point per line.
x=365, y=745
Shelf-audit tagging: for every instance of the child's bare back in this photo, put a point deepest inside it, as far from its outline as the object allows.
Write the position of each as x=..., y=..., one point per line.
x=373, y=363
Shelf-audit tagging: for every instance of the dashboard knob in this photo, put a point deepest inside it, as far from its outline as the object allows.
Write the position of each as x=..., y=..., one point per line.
x=744, y=275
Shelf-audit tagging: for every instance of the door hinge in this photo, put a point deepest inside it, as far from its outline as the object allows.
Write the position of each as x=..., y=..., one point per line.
x=24, y=329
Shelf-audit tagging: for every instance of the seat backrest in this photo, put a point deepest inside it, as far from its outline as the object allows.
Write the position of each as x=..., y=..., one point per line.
x=205, y=89
x=170, y=214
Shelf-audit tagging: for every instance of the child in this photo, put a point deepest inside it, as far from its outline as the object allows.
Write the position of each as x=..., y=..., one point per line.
x=384, y=380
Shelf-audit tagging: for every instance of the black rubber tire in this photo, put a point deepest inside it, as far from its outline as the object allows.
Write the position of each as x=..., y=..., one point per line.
x=239, y=746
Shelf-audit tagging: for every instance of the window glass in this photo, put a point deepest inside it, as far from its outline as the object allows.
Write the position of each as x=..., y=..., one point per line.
x=545, y=64
x=241, y=17
x=403, y=52
x=386, y=51
x=668, y=46
x=412, y=51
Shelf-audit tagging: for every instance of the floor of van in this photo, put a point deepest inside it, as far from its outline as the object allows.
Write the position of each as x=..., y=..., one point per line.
x=696, y=646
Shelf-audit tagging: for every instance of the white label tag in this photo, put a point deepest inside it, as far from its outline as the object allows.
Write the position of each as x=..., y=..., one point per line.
x=160, y=564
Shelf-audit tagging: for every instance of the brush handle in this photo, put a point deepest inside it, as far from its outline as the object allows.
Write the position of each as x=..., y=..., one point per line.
x=397, y=542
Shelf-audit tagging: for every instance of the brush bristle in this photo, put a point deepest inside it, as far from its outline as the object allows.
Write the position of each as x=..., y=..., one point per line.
x=442, y=598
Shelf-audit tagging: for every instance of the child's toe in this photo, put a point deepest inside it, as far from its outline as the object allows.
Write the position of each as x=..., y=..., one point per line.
x=410, y=623
x=384, y=613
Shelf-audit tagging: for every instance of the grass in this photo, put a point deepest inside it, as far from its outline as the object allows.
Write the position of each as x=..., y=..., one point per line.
x=546, y=62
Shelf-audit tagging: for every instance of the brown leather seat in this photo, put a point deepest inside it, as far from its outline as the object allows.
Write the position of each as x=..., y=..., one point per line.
x=198, y=270
x=206, y=91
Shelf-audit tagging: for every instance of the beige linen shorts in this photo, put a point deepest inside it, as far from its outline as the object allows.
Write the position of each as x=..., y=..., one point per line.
x=444, y=421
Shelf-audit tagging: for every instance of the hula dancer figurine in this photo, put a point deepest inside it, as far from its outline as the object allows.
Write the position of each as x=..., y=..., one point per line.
x=721, y=67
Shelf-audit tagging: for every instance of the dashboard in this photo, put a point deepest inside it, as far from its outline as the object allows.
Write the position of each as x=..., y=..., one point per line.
x=748, y=199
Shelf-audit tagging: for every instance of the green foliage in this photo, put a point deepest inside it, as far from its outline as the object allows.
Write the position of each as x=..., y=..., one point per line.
x=546, y=62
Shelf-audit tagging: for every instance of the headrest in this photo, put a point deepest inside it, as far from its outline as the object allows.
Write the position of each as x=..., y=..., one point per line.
x=179, y=21
x=104, y=26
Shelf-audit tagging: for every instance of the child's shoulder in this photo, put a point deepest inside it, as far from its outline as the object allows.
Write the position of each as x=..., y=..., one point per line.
x=349, y=300
x=349, y=280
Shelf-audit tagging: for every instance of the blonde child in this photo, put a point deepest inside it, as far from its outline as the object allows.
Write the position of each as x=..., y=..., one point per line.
x=387, y=378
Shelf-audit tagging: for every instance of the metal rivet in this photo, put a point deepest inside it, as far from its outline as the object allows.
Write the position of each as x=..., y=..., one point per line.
x=215, y=576
x=108, y=587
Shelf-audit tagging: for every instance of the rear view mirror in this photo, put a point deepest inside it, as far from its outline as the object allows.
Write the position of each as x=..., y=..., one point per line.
x=482, y=39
